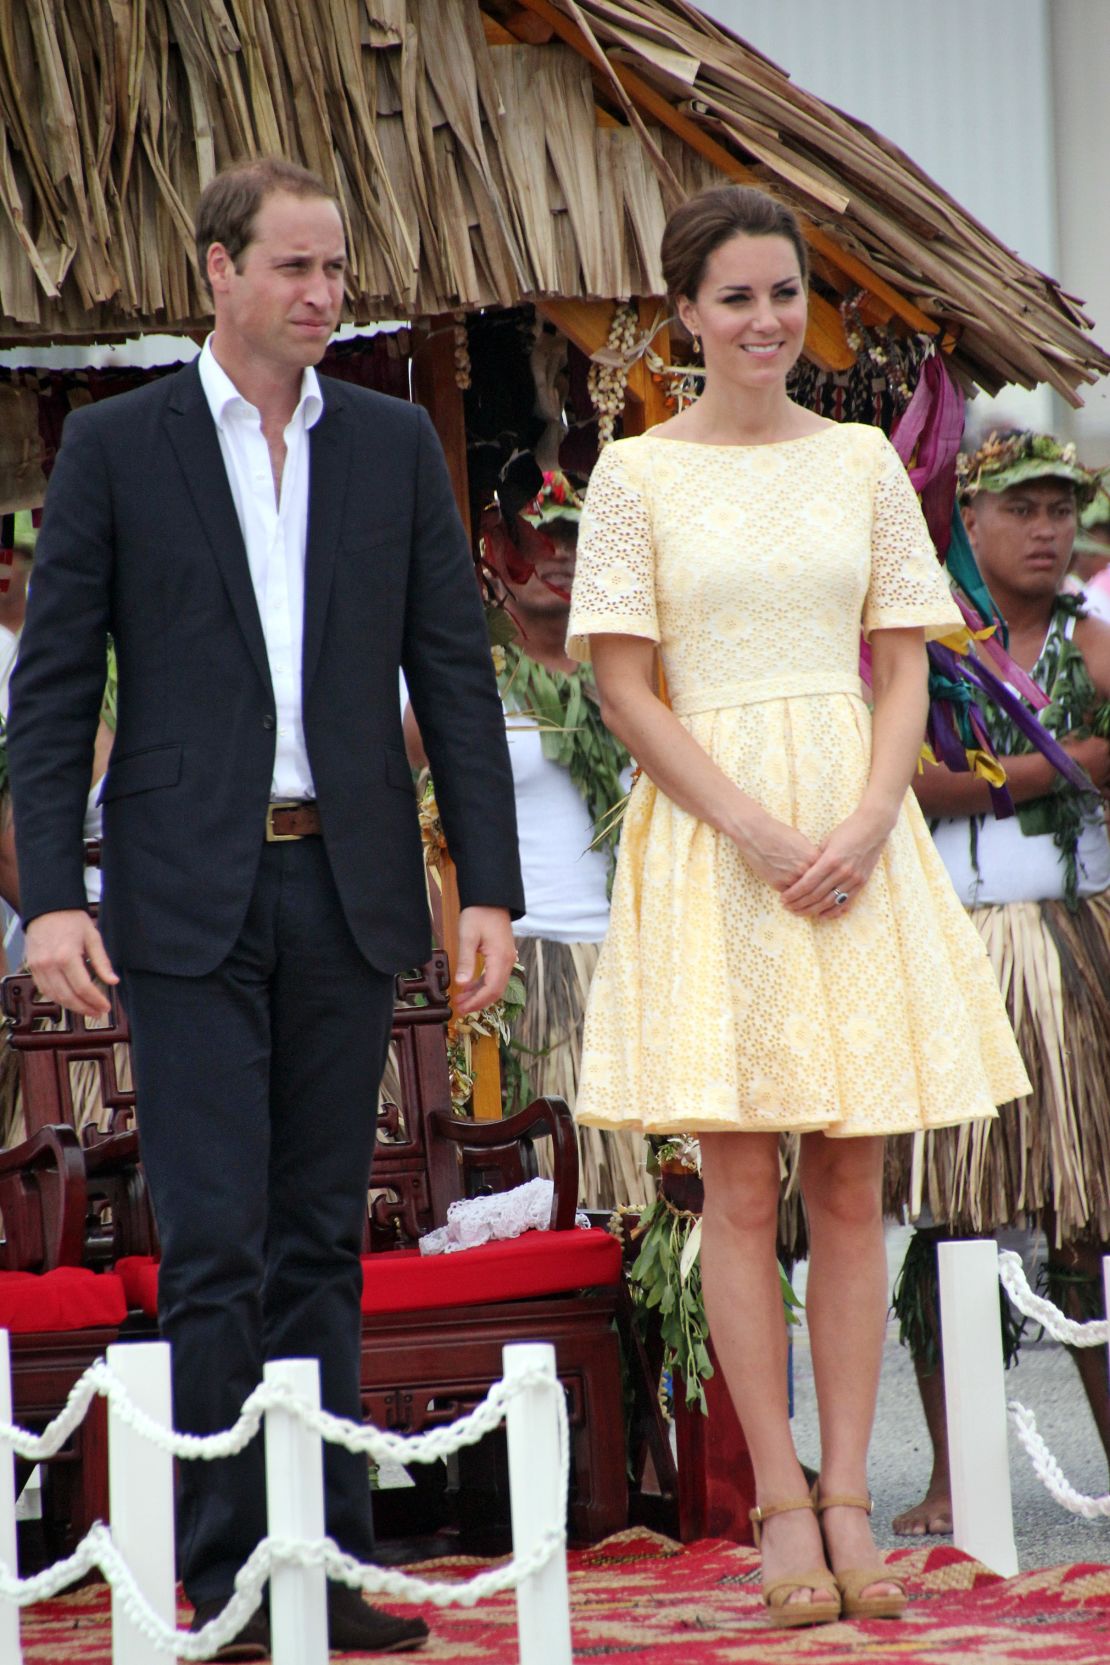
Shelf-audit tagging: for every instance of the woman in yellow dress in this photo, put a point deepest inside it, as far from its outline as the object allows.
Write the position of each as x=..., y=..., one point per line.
x=785, y=949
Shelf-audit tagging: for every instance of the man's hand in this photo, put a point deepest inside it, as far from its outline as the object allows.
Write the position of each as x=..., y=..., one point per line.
x=488, y=932
x=62, y=948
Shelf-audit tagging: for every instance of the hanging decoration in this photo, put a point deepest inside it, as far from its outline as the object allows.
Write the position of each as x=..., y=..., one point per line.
x=609, y=370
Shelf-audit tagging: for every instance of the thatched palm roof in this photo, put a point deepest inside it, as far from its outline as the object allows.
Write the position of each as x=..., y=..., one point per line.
x=485, y=153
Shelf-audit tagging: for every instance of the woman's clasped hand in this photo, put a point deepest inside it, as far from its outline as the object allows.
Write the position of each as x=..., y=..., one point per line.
x=811, y=877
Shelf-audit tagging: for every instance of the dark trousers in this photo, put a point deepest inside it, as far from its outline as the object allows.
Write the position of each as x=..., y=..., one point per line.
x=257, y=1091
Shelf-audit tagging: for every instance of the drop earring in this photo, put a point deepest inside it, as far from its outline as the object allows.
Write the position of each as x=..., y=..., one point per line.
x=696, y=338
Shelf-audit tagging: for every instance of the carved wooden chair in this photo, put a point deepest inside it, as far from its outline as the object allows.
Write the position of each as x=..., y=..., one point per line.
x=60, y=1315
x=434, y=1326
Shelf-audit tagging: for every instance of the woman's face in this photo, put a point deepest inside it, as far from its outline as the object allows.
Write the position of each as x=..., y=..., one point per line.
x=750, y=311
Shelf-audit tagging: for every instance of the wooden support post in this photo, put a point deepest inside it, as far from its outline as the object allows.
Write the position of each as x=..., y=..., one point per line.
x=140, y=1486
x=9, y=1562
x=433, y=379
x=295, y=1509
x=437, y=390
x=646, y=403
x=971, y=1340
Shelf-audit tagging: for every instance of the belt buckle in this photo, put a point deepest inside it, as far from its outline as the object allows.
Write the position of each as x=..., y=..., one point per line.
x=273, y=837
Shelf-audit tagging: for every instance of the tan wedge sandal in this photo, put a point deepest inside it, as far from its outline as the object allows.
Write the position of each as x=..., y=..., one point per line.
x=854, y=1580
x=783, y=1613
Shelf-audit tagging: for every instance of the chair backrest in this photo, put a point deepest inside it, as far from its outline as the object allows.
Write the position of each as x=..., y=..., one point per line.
x=415, y=1177
x=50, y=1043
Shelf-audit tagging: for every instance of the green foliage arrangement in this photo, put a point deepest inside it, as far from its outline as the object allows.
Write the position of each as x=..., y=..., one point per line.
x=666, y=1279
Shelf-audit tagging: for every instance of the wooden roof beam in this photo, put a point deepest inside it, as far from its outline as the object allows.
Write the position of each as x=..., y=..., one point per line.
x=650, y=100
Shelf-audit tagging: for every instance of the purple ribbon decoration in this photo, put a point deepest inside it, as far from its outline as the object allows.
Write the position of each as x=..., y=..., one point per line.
x=932, y=426
x=991, y=648
x=982, y=677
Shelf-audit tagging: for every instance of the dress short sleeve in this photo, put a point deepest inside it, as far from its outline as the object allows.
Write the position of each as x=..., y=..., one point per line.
x=614, y=578
x=907, y=586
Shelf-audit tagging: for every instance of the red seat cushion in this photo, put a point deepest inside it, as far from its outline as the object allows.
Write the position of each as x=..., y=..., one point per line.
x=69, y=1298
x=404, y=1280
x=139, y=1277
x=539, y=1263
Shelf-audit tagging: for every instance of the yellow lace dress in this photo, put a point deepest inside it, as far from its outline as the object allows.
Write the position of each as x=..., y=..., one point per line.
x=712, y=1007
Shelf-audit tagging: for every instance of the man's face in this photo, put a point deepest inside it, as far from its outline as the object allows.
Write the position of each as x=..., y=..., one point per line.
x=281, y=303
x=1023, y=537
x=540, y=595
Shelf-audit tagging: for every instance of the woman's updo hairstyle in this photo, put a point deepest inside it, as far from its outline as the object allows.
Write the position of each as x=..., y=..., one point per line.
x=711, y=218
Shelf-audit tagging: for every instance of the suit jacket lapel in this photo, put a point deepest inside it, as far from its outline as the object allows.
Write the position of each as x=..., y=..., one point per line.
x=328, y=467
x=193, y=436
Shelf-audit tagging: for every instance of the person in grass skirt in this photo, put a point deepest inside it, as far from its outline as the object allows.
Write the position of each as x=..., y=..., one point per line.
x=1037, y=887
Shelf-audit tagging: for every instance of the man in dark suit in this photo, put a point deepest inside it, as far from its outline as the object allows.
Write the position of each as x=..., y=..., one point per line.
x=266, y=549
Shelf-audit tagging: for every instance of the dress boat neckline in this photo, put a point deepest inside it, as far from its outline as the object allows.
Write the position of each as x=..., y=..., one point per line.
x=762, y=445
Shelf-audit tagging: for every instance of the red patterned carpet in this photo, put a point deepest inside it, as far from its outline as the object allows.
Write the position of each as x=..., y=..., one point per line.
x=639, y=1598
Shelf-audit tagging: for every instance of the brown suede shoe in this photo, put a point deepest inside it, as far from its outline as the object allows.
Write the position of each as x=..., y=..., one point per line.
x=356, y=1627
x=252, y=1642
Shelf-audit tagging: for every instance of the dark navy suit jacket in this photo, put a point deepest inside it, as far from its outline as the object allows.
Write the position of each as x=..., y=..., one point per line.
x=140, y=539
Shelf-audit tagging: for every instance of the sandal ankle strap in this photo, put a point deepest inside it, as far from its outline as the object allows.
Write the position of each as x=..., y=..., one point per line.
x=764, y=1511
x=867, y=1503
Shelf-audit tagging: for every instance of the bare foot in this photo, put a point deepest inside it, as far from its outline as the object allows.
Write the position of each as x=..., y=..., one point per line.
x=932, y=1517
x=850, y=1544
x=791, y=1544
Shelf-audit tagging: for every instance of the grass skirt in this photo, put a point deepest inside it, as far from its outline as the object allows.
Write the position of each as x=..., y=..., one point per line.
x=546, y=1047
x=1050, y=1151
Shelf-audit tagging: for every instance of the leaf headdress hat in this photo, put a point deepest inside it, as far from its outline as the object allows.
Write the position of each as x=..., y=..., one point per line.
x=1010, y=459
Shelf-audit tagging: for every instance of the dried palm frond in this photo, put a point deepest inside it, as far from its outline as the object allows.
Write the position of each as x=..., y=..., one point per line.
x=470, y=172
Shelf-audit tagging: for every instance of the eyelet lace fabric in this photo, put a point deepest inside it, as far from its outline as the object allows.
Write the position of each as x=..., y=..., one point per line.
x=755, y=568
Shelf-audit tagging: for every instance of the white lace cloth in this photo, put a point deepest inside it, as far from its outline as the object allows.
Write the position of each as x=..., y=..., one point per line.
x=477, y=1220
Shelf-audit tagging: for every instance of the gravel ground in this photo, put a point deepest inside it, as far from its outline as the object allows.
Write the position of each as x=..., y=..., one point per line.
x=1045, y=1380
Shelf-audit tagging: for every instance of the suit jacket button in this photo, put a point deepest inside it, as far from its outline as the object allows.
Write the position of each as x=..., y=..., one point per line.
x=268, y=722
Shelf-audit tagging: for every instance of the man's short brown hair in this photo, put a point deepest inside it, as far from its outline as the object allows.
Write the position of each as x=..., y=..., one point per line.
x=228, y=204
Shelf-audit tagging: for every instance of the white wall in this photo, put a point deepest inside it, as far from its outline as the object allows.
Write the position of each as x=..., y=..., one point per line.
x=1080, y=31
x=1000, y=101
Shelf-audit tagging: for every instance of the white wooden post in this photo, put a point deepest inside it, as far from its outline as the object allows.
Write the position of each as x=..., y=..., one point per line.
x=537, y=1502
x=971, y=1330
x=140, y=1493
x=9, y=1612
x=295, y=1509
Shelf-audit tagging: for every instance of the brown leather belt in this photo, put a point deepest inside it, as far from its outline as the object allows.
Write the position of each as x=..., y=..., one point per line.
x=286, y=821
x=92, y=852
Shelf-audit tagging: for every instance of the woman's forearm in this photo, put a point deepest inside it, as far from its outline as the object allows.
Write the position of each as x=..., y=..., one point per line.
x=676, y=763
x=900, y=691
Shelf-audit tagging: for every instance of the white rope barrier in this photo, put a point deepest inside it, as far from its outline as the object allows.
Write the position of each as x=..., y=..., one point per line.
x=1070, y=1333
x=1048, y=1470
x=982, y=1511
x=383, y=1446
x=1011, y=1274
x=537, y=1569
x=98, y=1551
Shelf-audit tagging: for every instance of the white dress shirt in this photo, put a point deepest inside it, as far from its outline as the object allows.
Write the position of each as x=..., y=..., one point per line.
x=274, y=533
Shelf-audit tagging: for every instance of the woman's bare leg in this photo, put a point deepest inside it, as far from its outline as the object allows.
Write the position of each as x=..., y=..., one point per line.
x=846, y=1305
x=744, y=1304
